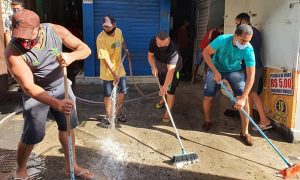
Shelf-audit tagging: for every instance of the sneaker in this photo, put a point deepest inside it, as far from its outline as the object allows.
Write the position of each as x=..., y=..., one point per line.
x=121, y=118
x=248, y=139
x=105, y=122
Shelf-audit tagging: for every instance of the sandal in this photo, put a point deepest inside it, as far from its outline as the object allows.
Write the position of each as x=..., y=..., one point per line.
x=85, y=174
x=206, y=125
x=26, y=178
x=159, y=106
x=166, y=119
x=263, y=128
x=248, y=139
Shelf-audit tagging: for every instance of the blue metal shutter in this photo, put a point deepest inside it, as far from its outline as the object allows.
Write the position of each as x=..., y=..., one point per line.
x=139, y=20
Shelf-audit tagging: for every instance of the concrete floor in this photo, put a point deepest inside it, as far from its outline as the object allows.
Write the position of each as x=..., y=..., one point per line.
x=142, y=147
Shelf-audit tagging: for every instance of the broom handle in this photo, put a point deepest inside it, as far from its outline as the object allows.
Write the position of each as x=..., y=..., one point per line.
x=68, y=118
x=172, y=121
x=254, y=124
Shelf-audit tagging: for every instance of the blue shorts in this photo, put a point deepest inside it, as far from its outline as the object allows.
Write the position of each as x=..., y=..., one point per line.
x=199, y=57
x=35, y=116
x=235, y=79
x=108, y=87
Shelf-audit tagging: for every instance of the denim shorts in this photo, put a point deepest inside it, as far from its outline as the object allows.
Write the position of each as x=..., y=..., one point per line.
x=108, y=87
x=235, y=79
x=35, y=116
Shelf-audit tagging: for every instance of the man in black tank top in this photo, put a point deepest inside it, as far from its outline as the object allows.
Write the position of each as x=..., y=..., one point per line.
x=31, y=59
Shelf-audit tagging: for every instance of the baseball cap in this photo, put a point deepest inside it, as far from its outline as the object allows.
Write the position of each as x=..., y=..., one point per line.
x=24, y=22
x=17, y=2
x=108, y=21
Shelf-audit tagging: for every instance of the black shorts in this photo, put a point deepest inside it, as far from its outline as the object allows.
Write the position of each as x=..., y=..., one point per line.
x=35, y=116
x=258, y=81
x=174, y=83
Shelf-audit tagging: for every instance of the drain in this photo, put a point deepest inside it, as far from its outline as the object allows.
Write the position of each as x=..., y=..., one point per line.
x=7, y=160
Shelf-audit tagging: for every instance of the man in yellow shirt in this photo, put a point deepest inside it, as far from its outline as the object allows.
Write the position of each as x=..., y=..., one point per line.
x=109, y=47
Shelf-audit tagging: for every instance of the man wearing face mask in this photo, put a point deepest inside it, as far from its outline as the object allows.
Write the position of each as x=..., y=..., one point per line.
x=16, y=6
x=254, y=99
x=109, y=47
x=165, y=62
x=229, y=51
x=31, y=59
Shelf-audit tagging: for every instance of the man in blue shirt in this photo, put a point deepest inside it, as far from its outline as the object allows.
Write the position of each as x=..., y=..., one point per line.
x=254, y=99
x=229, y=50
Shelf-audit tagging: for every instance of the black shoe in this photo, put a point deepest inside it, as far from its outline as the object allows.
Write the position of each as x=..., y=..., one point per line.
x=105, y=123
x=121, y=118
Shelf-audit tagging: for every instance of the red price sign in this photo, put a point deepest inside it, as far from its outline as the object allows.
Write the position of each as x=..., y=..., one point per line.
x=281, y=83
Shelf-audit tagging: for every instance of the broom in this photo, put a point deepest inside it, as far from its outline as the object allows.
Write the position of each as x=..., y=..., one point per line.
x=289, y=172
x=68, y=118
x=183, y=158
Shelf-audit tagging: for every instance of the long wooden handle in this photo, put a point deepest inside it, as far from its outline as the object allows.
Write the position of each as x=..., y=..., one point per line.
x=67, y=97
x=68, y=118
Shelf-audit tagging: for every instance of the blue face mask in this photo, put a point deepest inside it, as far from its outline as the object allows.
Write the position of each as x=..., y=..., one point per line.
x=240, y=46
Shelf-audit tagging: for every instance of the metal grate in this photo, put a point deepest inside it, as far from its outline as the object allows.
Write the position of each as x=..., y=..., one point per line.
x=7, y=160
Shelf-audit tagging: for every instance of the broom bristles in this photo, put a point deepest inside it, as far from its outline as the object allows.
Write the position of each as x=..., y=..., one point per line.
x=290, y=171
x=184, y=159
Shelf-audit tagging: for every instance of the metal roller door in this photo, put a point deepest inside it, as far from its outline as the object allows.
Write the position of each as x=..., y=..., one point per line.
x=139, y=20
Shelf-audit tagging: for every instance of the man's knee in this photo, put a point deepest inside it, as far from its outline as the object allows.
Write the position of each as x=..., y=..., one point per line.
x=33, y=138
x=207, y=98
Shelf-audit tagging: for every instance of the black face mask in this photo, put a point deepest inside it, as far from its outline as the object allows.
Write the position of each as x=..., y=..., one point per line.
x=163, y=49
x=28, y=44
x=111, y=31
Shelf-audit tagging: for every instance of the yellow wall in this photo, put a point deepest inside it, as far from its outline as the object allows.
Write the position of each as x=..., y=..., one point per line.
x=279, y=107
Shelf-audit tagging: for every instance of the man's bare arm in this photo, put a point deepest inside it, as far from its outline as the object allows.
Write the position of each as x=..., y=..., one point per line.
x=207, y=52
x=23, y=75
x=151, y=61
x=249, y=81
x=79, y=48
x=170, y=74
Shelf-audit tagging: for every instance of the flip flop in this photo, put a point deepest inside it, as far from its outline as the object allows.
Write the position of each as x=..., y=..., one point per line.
x=85, y=174
x=269, y=126
x=166, y=119
x=159, y=106
x=26, y=178
x=206, y=125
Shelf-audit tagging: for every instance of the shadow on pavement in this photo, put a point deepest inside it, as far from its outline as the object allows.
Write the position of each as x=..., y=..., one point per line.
x=86, y=157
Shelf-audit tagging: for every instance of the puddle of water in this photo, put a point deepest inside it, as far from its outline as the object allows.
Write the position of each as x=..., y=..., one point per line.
x=36, y=167
x=113, y=162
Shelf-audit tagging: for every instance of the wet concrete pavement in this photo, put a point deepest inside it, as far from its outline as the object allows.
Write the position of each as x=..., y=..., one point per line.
x=142, y=147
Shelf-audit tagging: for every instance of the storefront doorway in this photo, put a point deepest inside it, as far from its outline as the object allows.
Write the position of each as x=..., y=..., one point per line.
x=183, y=31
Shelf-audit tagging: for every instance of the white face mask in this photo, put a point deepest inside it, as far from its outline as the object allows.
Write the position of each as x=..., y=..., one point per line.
x=240, y=46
